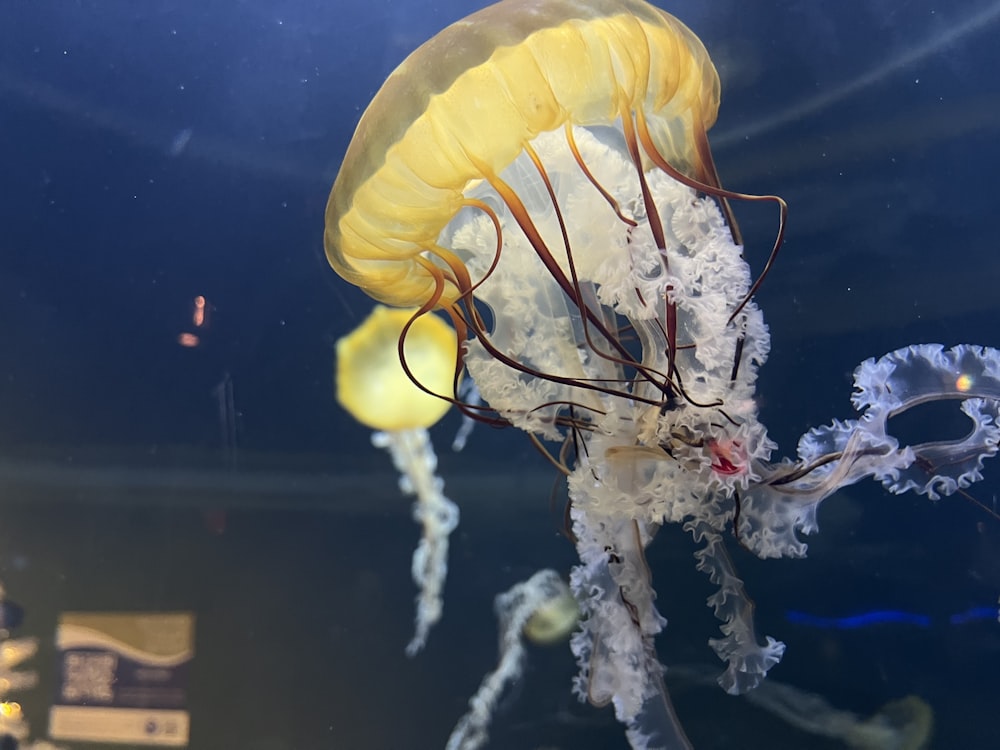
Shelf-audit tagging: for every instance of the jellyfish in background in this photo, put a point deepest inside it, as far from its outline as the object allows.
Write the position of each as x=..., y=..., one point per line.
x=541, y=172
x=541, y=609
x=376, y=390
x=903, y=724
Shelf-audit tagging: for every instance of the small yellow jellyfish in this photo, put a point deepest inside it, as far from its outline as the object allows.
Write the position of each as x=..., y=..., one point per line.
x=904, y=724
x=554, y=619
x=374, y=387
x=541, y=609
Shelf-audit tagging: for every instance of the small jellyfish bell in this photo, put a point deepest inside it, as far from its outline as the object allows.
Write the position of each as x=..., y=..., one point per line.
x=555, y=617
x=372, y=385
x=540, y=171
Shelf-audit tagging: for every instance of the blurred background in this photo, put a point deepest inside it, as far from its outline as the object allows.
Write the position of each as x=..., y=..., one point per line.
x=169, y=439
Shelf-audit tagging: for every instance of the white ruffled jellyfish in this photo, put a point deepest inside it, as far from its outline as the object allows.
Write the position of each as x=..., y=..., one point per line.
x=541, y=172
x=375, y=388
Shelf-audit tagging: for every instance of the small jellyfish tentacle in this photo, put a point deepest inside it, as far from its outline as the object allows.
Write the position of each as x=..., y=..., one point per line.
x=414, y=457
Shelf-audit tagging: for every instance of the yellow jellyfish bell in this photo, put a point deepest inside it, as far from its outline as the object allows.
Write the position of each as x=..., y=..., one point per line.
x=371, y=382
x=464, y=105
x=555, y=618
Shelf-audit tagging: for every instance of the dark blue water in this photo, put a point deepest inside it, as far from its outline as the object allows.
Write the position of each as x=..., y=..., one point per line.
x=152, y=153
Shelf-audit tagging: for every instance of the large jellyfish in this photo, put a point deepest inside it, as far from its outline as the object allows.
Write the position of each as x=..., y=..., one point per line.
x=540, y=171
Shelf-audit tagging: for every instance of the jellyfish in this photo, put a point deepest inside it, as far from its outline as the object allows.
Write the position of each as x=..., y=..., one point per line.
x=542, y=610
x=373, y=386
x=903, y=724
x=541, y=172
